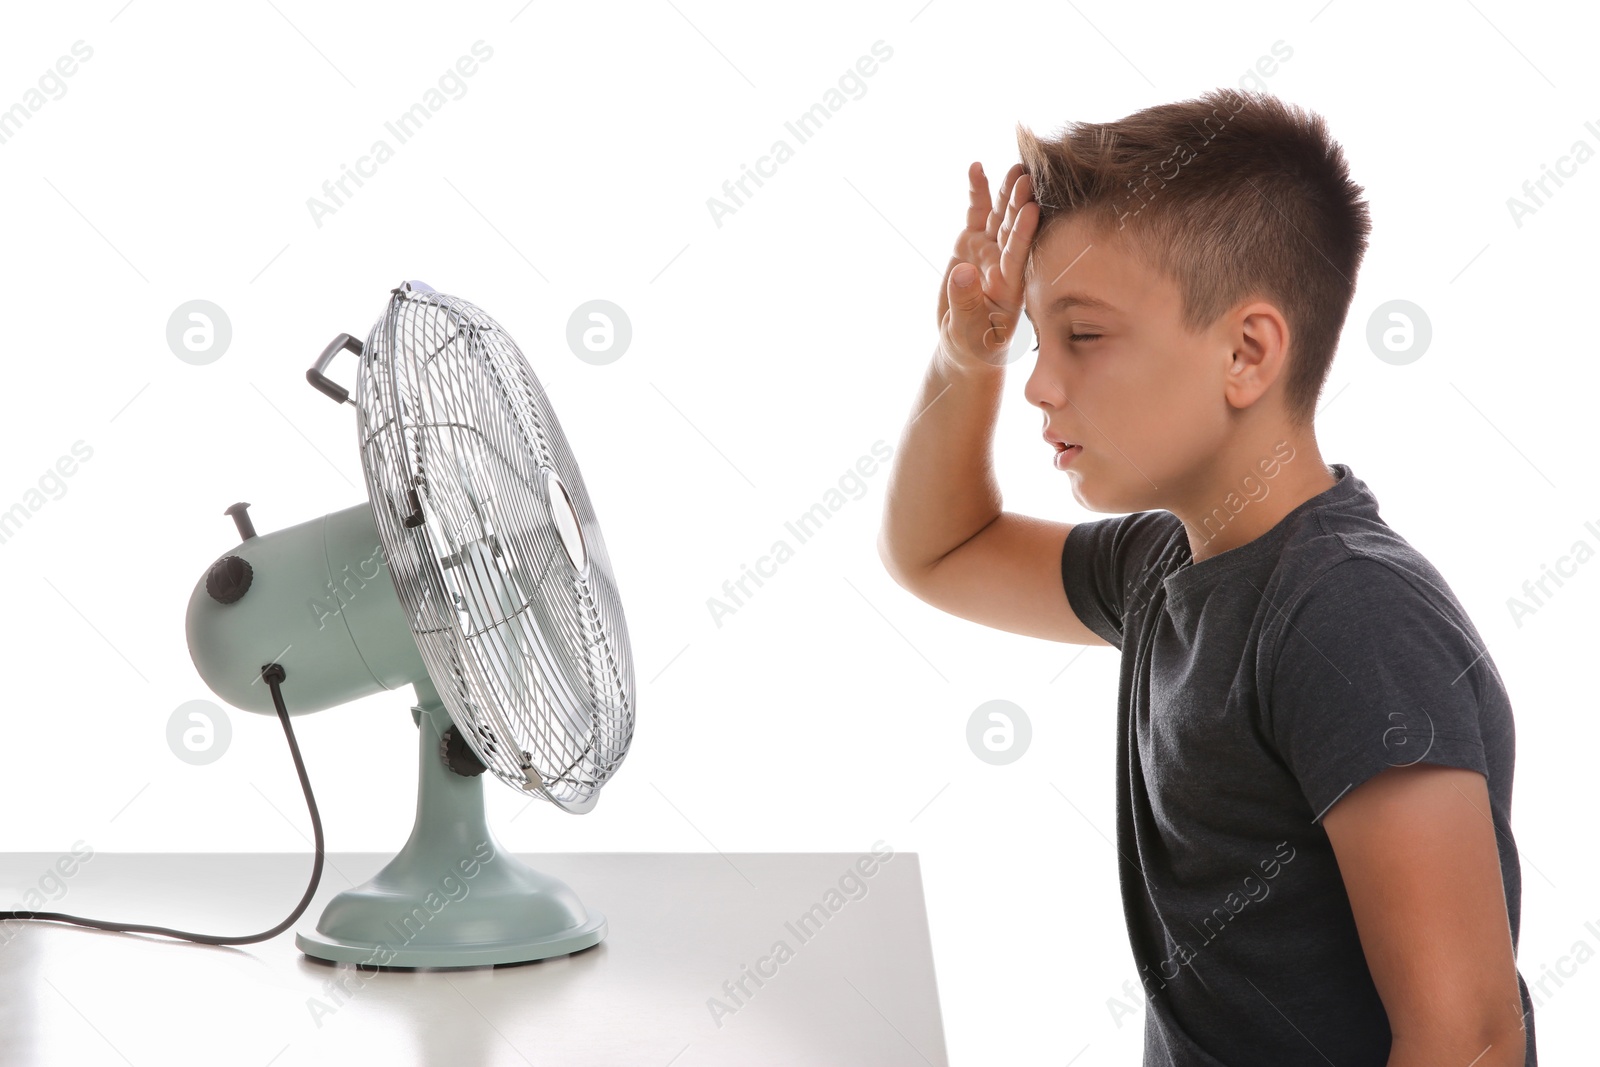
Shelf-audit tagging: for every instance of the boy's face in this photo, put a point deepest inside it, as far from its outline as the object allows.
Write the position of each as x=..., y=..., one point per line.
x=1144, y=397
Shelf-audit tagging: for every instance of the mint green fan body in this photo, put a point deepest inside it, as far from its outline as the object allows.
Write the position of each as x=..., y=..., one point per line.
x=476, y=575
x=323, y=589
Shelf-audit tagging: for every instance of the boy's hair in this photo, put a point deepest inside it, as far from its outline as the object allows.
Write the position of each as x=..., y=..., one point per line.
x=1232, y=195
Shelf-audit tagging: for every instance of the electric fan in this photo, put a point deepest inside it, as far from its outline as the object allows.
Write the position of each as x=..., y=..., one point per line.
x=475, y=573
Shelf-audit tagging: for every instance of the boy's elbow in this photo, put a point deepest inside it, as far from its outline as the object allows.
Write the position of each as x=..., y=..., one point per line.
x=886, y=555
x=903, y=575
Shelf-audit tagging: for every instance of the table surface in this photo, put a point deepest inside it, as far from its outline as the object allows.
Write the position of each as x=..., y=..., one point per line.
x=858, y=991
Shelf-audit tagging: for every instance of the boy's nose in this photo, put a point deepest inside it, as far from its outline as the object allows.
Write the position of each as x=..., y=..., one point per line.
x=1044, y=388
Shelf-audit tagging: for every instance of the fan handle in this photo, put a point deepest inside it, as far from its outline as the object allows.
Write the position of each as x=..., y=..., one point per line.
x=321, y=381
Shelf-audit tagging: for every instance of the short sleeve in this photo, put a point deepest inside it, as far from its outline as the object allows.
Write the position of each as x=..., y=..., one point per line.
x=1373, y=671
x=1107, y=565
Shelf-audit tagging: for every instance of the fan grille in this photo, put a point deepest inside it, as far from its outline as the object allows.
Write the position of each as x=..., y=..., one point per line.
x=524, y=638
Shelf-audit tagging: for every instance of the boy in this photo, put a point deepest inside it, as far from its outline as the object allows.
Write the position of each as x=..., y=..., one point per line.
x=1314, y=755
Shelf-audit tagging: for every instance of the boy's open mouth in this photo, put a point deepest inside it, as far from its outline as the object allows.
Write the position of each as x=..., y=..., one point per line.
x=1058, y=444
x=1066, y=451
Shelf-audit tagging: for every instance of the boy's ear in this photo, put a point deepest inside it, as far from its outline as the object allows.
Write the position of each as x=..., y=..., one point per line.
x=1260, y=339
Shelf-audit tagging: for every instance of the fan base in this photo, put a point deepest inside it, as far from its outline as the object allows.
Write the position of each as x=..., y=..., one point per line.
x=482, y=954
x=452, y=897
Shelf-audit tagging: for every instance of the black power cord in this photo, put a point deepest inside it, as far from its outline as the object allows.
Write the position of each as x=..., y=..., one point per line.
x=273, y=674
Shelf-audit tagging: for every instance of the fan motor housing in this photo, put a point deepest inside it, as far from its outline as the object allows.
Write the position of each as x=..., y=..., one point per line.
x=320, y=601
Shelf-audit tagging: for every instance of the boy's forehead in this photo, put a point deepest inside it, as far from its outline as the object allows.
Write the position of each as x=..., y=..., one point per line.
x=1071, y=267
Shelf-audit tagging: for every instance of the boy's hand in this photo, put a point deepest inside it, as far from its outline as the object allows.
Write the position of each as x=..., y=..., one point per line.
x=978, y=319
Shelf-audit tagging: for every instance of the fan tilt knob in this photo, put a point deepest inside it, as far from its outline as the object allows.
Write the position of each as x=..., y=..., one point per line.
x=228, y=579
x=458, y=755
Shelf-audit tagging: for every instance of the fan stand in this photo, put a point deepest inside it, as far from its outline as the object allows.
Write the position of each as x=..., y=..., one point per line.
x=452, y=897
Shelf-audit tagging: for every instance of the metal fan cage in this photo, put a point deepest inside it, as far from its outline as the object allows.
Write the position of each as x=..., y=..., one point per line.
x=513, y=604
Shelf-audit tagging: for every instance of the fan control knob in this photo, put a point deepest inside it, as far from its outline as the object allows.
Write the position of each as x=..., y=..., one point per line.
x=228, y=579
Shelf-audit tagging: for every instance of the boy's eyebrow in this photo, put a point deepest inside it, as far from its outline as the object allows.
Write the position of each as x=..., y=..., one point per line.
x=1079, y=300
x=1067, y=300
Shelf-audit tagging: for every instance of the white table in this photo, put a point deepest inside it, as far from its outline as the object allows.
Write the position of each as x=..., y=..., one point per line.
x=858, y=991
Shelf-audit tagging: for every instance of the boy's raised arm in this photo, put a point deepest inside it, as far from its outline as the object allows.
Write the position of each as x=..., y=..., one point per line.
x=945, y=536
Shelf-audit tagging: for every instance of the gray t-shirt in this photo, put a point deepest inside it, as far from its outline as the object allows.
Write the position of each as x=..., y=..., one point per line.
x=1257, y=687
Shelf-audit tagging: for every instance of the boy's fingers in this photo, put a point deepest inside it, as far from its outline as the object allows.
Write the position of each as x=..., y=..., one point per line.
x=964, y=332
x=1014, y=256
x=1002, y=198
x=965, y=292
x=978, y=197
x=944, y=287
x=1021, y=193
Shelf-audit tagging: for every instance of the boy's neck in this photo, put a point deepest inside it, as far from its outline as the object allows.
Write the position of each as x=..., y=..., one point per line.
x=1214, y=526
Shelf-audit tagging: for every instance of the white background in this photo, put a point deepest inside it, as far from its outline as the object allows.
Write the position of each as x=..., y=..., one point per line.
x=769, y=354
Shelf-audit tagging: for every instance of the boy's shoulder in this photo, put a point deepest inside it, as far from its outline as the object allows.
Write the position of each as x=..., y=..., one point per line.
x=1348, y=592
x=1366, y=658
x=1344, y=560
